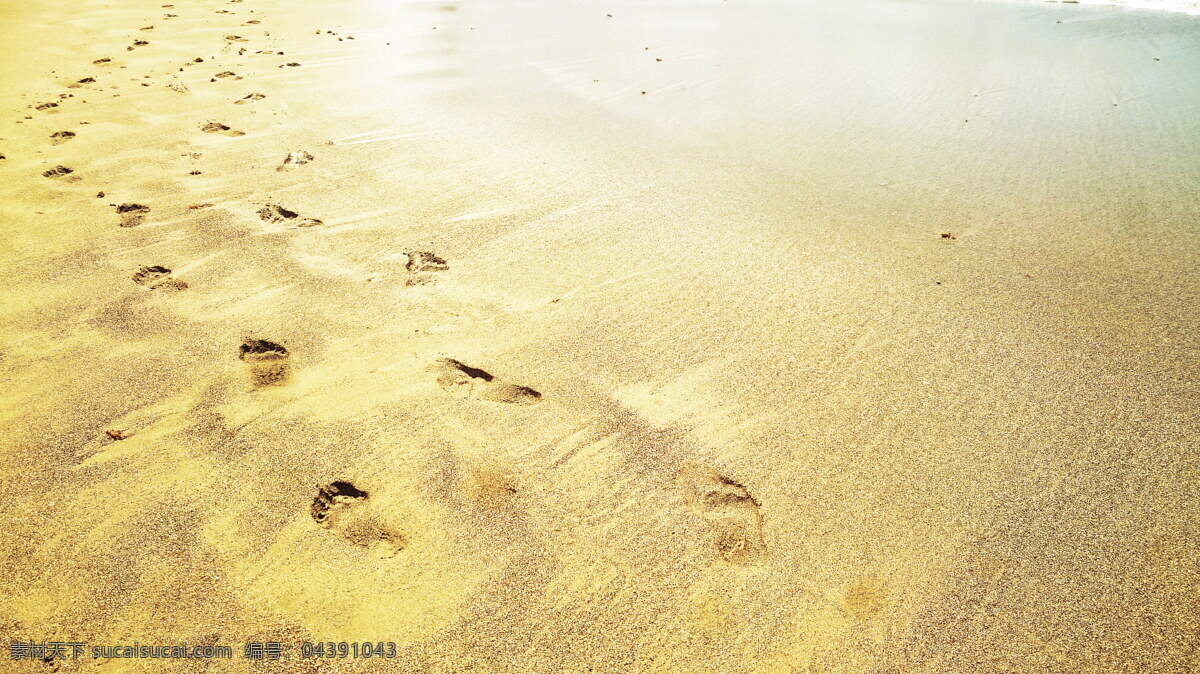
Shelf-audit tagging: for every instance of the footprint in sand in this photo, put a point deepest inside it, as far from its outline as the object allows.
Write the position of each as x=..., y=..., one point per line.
x=420, y=262
x=465, y=381
x=344, y=509
x=226, y=75
x=132, y=215
x=729, y=509
x=268, y=361
x=46, y=106
x=158, y=278
x=250, y=98
x=276, y=214
x=293, y=159
x=58, y=172
x=60, y=137
x=217, y=127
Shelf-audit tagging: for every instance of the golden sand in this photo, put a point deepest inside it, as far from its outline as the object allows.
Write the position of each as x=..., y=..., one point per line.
x=645, y=337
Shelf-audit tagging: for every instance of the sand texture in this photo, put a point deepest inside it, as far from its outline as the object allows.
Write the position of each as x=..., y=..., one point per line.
x=553, y=336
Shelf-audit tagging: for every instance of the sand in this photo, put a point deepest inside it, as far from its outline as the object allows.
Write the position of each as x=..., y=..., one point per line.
x=548, y=336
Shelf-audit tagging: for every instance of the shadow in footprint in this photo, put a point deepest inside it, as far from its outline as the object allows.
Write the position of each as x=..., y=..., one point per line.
x=464, y=381
x=729, y=509
x=342, y=508
x=268, y=361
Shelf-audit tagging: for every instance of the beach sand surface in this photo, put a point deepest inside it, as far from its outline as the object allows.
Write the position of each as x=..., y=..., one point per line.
x=546, y=336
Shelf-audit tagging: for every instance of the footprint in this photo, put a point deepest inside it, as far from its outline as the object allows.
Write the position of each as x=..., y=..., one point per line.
x=250, y=98
x=276, y=214
x=343, y=508
x=729, y=509
x=235, y=38
x=60, y=137
x=226, y=74
x=217, y=127
x=156, y=278
x=132, y=215
x=58, y=172
x=465, y=381
x=46, y=106
x=268, y=361
x=420, y=262
x=297, y=158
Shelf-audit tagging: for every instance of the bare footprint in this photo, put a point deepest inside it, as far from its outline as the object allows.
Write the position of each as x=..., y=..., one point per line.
x=268, y=361
x=420, y=262
x=297, y=158
x=344, y=509
x=465, y=381
x=60, y=137
x=729, y=509
x=217, y=127
x=58, y=172
x=250, y=98
x=158, y=278
x=132, y=215
x=276, y=214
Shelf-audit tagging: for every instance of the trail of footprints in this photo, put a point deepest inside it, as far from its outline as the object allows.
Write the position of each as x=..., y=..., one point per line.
x=731, y=513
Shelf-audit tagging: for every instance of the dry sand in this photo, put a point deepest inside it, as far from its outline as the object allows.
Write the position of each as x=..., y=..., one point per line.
x=571, y=336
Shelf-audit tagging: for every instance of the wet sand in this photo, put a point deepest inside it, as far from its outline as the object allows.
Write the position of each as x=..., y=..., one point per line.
x=543, y=336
